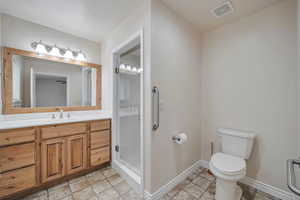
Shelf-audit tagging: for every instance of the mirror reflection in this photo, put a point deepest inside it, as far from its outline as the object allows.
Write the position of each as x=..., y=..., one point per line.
x=43, y=83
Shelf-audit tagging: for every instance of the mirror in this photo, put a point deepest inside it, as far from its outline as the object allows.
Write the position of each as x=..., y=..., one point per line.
x=50, y=82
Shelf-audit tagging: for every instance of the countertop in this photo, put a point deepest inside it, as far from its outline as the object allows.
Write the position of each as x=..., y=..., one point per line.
x=42, y=119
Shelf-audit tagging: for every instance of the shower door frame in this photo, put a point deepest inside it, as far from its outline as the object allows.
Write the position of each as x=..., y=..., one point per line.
x=128, y=173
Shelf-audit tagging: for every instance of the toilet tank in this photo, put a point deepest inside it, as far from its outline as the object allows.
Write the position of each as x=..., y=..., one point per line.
x=237, y=143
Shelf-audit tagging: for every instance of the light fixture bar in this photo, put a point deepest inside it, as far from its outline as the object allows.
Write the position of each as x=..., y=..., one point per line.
x=54, y=50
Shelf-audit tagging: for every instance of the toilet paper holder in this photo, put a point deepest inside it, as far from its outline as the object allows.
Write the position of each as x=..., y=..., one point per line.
x=176, y=138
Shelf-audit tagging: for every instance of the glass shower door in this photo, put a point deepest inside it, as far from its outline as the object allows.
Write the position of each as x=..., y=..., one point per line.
x=129, y=98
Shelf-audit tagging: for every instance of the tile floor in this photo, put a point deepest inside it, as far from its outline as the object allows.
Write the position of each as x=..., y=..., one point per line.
x=106, y=184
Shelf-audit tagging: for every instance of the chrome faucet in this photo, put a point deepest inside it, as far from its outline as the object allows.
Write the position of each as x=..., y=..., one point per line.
x=61, y=113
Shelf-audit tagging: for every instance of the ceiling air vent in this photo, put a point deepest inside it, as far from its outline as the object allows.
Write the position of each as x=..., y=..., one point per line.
x=224, y=9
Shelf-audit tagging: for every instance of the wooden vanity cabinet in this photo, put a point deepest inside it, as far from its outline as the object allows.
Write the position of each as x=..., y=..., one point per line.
x=53, y=159
x=76, y=153
x=100, y=142
x=34, y=157
x=18, y=158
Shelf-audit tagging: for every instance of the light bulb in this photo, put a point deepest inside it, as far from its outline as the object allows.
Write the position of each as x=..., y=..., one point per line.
x=140, y=70
x=55, y=51
x=134, y=69
x=68, y=54
x=40, y=48
x=128, y=68
x=122, y=67
x=80, y=56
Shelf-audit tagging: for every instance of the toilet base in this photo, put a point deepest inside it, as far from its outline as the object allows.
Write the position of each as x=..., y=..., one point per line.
x=227, y=190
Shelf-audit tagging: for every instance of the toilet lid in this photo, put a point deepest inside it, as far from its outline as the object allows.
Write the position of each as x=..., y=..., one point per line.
x=227, y=164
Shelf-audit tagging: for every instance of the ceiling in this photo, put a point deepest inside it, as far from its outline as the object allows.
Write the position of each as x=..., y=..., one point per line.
x=198, y=12
x=96, y=19
x=89, y=19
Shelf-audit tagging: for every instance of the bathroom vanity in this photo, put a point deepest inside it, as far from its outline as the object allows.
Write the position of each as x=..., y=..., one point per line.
x=39, y=146
x=38, y=156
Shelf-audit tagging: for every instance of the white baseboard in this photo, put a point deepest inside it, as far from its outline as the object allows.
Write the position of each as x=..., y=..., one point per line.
x=276, y=192
x=175, y=181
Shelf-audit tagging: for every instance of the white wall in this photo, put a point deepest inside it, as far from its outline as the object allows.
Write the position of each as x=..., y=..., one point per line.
x=175, y=61
x=19, y=34
x=249, y=82
x=137, y=21
x=298, y=20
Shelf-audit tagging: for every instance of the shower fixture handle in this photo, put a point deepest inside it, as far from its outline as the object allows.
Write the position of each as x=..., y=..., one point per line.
x=155, y=108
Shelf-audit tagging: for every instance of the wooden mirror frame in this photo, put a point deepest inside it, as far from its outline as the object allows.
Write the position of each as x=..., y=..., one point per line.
x=7, y=83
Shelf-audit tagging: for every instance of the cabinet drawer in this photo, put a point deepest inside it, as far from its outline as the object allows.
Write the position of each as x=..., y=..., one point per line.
x=100, y=156
x=63, y=130
x=100, y=139
x=16, y=136
x=17, y=156
x=100, y=125
x=17, y=180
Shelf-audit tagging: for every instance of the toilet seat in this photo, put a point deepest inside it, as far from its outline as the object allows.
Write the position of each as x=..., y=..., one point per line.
x=228, y=165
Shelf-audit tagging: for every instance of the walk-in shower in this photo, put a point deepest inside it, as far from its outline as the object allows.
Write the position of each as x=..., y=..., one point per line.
x=128, y=110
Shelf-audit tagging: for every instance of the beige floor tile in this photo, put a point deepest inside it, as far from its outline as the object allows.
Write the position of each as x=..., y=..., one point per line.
x=207, y=196
x=131, y=195
x=203, y=183
x=79, y=184
x=95, y=177
x=106, y=184
x=110, y=194
x=184, y=196
x=85, y=194
x=206, y=175
x=101, y=186
x=166, y=197
x=115, y=179
x=194, y=190
x=122, y=187
x=68, y=198
x=192, y=176
x=59, y=192
x=76, y=180
x=57, y=186
x=42, y=195
x=109, y=172
x=174, y=191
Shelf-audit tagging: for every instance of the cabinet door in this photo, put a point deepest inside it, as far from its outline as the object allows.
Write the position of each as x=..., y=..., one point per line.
x=76, y=153
x=53, y=157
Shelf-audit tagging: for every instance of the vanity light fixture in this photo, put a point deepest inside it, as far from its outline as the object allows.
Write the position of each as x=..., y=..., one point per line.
x=68, y=54
x=43, y=49
x=55, y=51
x=130, y=69
x=81, y=56
x=122, y=67
x=39, y=47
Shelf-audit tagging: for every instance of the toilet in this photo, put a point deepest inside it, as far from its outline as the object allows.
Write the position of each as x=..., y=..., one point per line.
x=229, y=165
